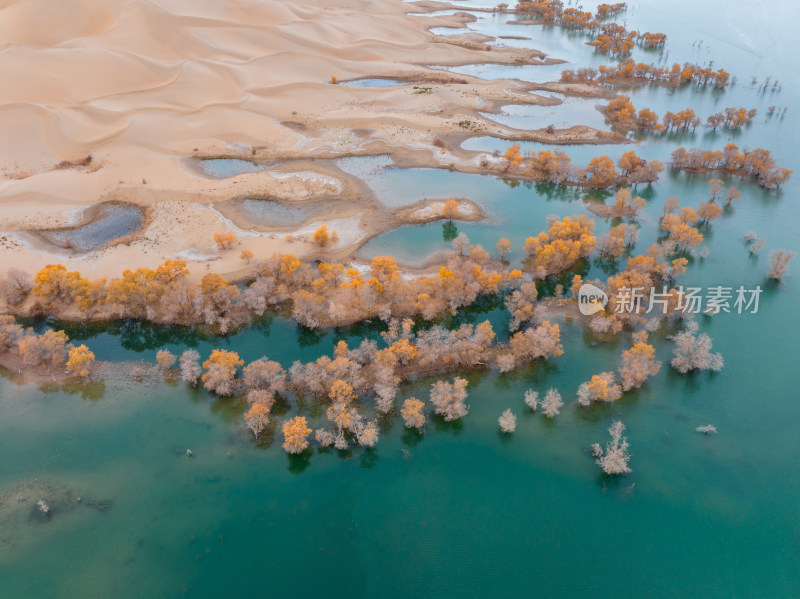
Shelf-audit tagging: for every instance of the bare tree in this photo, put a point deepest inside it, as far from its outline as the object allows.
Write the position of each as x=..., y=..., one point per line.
x=448, y=398
x=614, y=458
x=706, y=429
x=779, y=264
x=17, y=286
x=693, y=352
x=532, y=399
x=507, y=422
x=552, y=403
x=190, y=367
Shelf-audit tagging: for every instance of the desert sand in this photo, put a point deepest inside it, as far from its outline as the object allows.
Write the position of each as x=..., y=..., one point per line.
x=148, y=87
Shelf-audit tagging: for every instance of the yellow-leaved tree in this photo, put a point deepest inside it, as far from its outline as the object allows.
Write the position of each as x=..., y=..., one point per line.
x=295, y=435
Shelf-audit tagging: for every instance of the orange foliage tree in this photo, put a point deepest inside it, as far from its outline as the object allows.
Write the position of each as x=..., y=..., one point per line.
x=80, y=361
x=295, y=435
x=221, y=368
x=565, y=242
x=226, y=240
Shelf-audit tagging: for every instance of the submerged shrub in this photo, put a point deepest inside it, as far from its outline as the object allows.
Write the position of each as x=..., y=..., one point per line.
x=613, y=459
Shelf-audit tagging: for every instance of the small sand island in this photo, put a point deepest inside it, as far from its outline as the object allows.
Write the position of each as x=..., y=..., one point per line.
x=346, y=285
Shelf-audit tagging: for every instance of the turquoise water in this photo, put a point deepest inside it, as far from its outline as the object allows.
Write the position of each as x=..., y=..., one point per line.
x=462, y=510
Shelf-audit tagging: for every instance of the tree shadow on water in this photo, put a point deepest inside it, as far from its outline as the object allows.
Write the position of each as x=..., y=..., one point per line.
x=299, y=462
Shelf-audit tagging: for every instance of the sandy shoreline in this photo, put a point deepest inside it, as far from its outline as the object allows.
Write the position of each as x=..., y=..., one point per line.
x=238, y=80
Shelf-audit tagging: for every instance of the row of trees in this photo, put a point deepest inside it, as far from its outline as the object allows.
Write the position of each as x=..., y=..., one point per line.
x=621, y=112
x=731, y=118
x=556, y=167
x=630, y=71
x=323, y=294
x=615, y=40
x=609, y=10
x=553, y=12
x=757, y=164
x=611, y=38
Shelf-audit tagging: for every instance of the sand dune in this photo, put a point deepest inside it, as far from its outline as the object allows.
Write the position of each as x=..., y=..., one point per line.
x=140, y=85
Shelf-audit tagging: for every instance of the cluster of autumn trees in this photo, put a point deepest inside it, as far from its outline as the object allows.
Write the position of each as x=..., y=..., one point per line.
x=611, y=38
x=621, y=112
x=556, y=167
x=365, y=380
x=323, y=294
x=553, y=12
x=345, y=382
x=630, y=71
x=367, y=376
x=565, y=242
x=48, y=353
x=609, y=10
x=731, y=118
x=615, y=40
x=757, y=164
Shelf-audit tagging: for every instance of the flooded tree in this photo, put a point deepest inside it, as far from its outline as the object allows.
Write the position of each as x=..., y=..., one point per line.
x=601, y=387
x=257, y=418
x=324, y=437
x=367, y=434
x=503, y=247
x=708, y=211
x=532, y=399
x=693, y=352
x=520, y=303
x=221, y=368
x=295, y=435
x=264, y=375
x=614, y=458
x=733, y=194
x=507, y=422
x=600, y=172
x=413, y=416
x=552, y=403
x=638, y=363
x=166, y=359
x=448, y=399
x=565, y=242
x=756, y=243
x=543, y=341
x=190, y=367
x=779, y=264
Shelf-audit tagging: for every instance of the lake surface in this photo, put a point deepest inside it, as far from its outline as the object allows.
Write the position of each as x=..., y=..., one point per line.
x=107, y=223
x=222, y=168
x=463, y=510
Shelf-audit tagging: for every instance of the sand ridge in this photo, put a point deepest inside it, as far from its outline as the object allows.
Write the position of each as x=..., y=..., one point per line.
x=144, y=85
